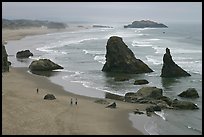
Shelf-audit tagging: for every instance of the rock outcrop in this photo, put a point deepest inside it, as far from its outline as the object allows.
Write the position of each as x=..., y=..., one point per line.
x=189, y=93
x=144, y=95
x=49, y=97
x=5, y=62
x=141, y=82
x=177, y=104
x=43, y=65
x=170, y=68
x=120, y=59
x=145, y=24
x=153, y=95
x=24, y=54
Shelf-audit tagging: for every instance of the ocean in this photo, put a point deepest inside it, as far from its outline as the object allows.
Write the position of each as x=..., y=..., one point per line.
x=82, y=54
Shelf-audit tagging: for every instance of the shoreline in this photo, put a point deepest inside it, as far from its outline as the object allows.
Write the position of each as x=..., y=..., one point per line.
x=62, y=116
x=108, y=121
x=17, y=34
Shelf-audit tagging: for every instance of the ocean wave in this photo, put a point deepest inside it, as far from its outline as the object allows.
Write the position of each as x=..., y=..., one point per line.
x=141, y=43
x=153, y=60
x=35, y=58
x=50, y=47
x=161, y=114
x=100, y=59
x=191, y=66
x=162, y=50
x=195, y=129
x=76, y=74
x=84, y=83
x=93, y=52
x=154, y=39
x=151, y=127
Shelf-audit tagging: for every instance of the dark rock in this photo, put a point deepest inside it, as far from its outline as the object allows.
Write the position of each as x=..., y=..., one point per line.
x=49, y=97
x=5, y=63
x=189, y=93
x=150, y=92
x=43, y=65
x=144, y=94
x=153, y=108
x=114, y=96
x=166, y=99
x=120, y=59
x=177, y=104
x=24, y=54
x=145, y=24
x=111, y=105
x=136, y=111
x=141, y=82
x=170, y=68
x=149, y=109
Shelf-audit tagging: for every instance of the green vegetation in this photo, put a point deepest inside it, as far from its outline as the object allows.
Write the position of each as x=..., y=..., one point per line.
x=23, y=23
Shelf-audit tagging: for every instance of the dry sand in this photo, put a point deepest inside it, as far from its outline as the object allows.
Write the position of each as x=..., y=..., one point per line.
x=26, y=112
x=16, y=34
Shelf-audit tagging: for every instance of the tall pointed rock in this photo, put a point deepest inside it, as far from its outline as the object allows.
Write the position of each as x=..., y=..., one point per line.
x=119, y=58
x=170, y=68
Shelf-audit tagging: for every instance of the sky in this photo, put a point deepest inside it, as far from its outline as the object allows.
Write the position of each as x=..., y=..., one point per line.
x=163, y=12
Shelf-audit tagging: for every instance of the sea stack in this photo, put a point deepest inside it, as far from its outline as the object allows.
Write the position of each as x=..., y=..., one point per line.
x=120, y=59
x=5, y=62
x=145, y=24
x=170, y=68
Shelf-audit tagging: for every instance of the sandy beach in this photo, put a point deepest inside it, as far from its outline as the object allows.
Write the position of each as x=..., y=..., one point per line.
x=25, y=112
x=16, y=34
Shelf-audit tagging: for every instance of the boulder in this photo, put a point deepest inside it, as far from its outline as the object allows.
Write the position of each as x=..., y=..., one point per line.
x=145, y=24
x=153, y=108
x=136, y=111
x=5, y=62
x=144, y=95
x=177, y=104
x=111, y=105
x=120, y=59
x=43, y=65
x=49, y=97
x=141, y=82
x=24, y=54
x=189, y=93
x=170, y=68
x=150, y=92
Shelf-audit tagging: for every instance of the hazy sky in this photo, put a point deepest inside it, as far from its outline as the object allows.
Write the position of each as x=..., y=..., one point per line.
x=104, y=11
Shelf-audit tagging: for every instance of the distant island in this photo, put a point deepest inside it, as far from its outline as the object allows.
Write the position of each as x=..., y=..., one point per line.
x=24, y=23
x=101, y=26
x=145, y=24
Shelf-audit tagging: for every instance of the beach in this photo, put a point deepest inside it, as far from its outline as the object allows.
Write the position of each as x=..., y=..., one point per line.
x=17, y=34
x=25, y=112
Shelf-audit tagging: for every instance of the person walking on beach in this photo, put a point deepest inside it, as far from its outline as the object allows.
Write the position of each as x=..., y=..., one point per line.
x=37, y=90
x=76, y=101
x=71, y=101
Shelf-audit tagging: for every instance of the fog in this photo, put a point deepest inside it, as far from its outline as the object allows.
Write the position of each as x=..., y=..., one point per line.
x=104, y=11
